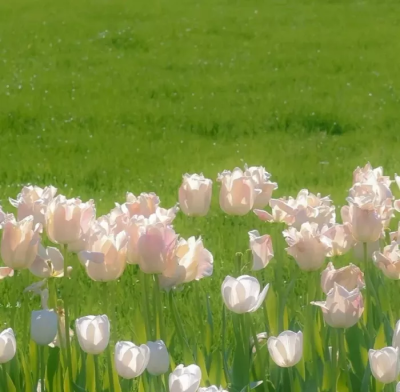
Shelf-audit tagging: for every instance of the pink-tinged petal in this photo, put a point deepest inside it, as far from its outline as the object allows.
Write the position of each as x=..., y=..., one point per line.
x=93, y=257
x=264, y=215
x=6, y=272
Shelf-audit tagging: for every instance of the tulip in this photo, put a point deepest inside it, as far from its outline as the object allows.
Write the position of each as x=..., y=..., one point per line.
x=48, y=263
x=307, y=246
x=185, y=379
x=6, y=272
x=396, y=335
x=192, y=262
x=33, y=200
x=3, y=216
x=106, y=258
x=242, y=295
x=261, y=248
x=340, y=238
x=93, y=333
x=237, y=192
x=261, y=178
x=68, y=220
x=350, y=277
x=8, y=345
x=384, y=364
x=156, y=246
x=398, y=384
x=20, y=242
x=395, y=235
x=131, y=360
x=342, y=308
x=195, y=195
x=287, y=349
x=57, y=342
x=44, y=324
x=212, y=388
x=145, y=204
x=388, y=261
x=159, y=358
x=262, y=338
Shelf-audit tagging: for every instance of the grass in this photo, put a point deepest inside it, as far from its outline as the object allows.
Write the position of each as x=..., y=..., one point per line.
x=103, y=97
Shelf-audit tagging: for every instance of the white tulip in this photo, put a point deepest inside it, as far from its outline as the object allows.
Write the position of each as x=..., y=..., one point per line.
x=93, y=333
x=44, y=324
x=243, y=295
x=131, y=360
x=159, y=358
x=287, y=349
x=384, y=364
x=8, y=345
x=212, y=388
x=185, y=379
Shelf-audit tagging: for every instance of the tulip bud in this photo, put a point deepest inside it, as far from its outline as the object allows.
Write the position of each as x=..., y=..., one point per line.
x=237, y=192
x=159, y=358
x=342, y=308
x=384, y=364
x=20, y=242
x=262, y=184
x=195, y=195
x=44, y=325
x=49, y=262
x=243, y=295
x=307, y=246
x=212, y=388
x=185, y=379
x=350, y=277
x=8, y=345
x=287, y=349
x=261, y=248
x=396, y=336
x=131, y=360
x=93, y=333
x=68, y=220
x=388, y=261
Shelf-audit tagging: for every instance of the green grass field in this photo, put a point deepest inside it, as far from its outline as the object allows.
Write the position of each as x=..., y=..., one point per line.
x=102, y=97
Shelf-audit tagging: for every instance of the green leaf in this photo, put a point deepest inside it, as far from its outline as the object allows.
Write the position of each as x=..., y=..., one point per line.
x=26, y=373
x=380, y=340
x=271, y=311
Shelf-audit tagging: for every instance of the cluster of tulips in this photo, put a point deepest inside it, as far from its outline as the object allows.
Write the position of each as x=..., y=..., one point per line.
x=140, y=232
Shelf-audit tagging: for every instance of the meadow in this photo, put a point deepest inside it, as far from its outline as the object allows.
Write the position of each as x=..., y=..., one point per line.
x=100, y=98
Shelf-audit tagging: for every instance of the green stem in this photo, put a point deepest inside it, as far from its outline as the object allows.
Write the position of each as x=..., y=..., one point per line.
x=370, y=319
x=159, y=311
x=66, y=315
x=146, y=309
x=239, y=257
x=291, y=382
x=25, y=309
x=343, y=357
x=108, y=290
x=334, y=344
x=97, y=372
x=4, y=376
x=42, y=368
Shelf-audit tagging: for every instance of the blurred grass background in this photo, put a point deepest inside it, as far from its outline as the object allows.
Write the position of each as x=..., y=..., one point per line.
x=103, y=97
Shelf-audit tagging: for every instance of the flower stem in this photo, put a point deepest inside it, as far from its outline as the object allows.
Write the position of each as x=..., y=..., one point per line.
x=108, y=350
x=97, y=372
x=291, y=382
x=159, y=309
x=146, y=310
x=42, y=368
x=334, y=344
x=368, y=282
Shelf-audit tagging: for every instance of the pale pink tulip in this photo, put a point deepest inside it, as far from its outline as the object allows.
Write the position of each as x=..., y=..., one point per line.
x=33, y=200
x=340, y=237
x=350, y=277
x=261, y=248
x=384, y=364
x=195, y=195
x=395, y=235
x=49, y=262
x=145, y=204
x=307, y=246
x=2, y=217
x=6, y=272
x=68, y=220
x=20, y=242
x=397, y=205
x=237, y=192
x=342, y=308
x=105, y=258
x=261, y=182
x=192, y=262
x=388, y=261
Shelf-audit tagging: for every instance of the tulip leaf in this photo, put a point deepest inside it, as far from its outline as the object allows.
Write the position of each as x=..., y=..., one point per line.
x=380, y=340
x=10, y=384
x=53, y=363
x=27, y=374
x=271, y=311
x=33, y=360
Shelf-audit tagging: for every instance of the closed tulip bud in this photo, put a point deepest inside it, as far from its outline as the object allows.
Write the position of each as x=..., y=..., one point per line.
x=287, y=349
x=33, y=200
x=68, y=220
x=185, y=379
x=93, y=333
x=396, y=335
x=6, y=272
x=192, y=262
x=156, y=247
x=20, y=242
x=384, y=364
x=242, y=295
x=159, y=358
x=237, y=192
x=340, y=238
x=350, y=277
x=49, y=263
x=105, y=258
x=131, y=360
x=195, y=195
x=342, y=308
x=44, y=324
x=262, y=184
x=388, y=261
x=261, y=248
x=212, y=388
x=8, y=345
x=145, y=204
x=307, y=246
